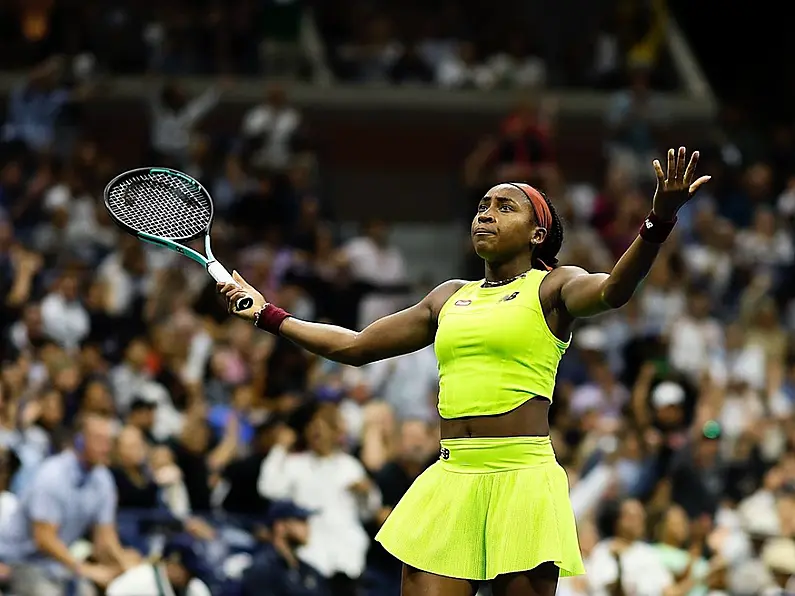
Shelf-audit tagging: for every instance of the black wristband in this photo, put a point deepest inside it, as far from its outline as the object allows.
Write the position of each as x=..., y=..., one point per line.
x=656, y=230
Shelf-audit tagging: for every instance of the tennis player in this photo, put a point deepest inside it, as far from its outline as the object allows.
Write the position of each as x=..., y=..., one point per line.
x=496, y=504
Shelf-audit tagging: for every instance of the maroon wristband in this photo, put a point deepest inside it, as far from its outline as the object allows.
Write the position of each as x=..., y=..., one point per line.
x=656, y=230
x=270, y=318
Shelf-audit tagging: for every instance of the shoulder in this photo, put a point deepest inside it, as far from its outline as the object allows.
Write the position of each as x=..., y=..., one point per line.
x=446, y=289
x=437, y=297
x=104, y=478
x=559, y=277
x=54, y=468
x=566, y=272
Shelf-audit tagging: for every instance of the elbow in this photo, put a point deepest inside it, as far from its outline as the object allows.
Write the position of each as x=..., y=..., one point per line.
x=42, y=538
x=351, y=354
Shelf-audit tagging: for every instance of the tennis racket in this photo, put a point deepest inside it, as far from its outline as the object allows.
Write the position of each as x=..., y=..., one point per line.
x=167, y=208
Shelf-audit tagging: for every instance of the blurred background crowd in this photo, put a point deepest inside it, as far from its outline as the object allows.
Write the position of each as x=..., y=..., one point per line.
x=673, y=417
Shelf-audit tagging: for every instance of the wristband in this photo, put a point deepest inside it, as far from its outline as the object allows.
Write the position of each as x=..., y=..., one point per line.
x=269, y=318
x=656, y=230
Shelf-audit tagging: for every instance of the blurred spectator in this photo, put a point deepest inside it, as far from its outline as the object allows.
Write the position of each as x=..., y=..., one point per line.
x=181, y=570
x=277, y=570
x=329, y=482
x=272, y=131
x=36, y=106
x=374, y=260
x=63, y=316
x=55, y=514
x=408, y=384
x=622, y=560
x=174, y=119
x=416, y=450
x=635, y=117
x=521, y=151
x=410, y=67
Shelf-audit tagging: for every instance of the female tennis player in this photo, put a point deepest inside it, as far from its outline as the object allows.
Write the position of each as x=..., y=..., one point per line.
x=495, y=506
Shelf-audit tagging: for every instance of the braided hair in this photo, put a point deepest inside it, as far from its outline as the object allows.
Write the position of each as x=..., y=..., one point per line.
x=545, y=255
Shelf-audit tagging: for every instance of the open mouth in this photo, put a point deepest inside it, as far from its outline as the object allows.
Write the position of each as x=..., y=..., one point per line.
x=482, y=232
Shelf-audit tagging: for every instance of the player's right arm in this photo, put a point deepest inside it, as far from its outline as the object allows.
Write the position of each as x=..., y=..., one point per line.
x=401, y=333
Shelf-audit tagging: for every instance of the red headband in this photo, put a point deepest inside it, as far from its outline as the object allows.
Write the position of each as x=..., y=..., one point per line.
x=540, y=207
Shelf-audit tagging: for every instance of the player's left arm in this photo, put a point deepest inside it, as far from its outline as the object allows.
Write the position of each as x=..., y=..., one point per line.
x=584, y=294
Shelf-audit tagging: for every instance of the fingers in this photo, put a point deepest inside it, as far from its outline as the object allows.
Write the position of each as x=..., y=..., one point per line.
x=658, y=171
x=698, y=184
x=671, y=169
x=681, y=160
x=691, y=168
x=225, y=289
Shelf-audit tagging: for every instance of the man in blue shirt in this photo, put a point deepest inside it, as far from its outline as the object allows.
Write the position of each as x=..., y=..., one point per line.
x=70, y=493
x=276, y=571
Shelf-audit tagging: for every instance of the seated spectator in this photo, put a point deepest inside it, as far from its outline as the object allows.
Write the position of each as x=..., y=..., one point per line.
x=181, y=568
x=72, y=492
x=277, y=570
x=136, y=488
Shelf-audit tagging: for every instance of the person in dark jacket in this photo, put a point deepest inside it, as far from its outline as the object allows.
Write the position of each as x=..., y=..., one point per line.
x=276, y=571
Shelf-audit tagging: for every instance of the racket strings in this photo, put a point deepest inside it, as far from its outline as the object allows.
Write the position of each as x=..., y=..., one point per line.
x=162, y=205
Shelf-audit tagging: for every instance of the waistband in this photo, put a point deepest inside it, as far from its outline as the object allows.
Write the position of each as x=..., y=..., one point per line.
x=485, y=455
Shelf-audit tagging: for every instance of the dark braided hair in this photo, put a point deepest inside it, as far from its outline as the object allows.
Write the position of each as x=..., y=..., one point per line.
x=545, y=255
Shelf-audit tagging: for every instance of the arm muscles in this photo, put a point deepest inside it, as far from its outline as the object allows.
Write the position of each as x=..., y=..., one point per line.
x=586, y=295
x=401, y=333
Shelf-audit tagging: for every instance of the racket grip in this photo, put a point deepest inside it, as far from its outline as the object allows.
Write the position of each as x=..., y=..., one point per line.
x=221, y=275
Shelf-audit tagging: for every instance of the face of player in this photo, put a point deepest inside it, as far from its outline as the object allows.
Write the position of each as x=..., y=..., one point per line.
x=504, y=225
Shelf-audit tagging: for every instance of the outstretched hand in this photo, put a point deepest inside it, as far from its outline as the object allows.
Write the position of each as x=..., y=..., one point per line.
x=676, y=186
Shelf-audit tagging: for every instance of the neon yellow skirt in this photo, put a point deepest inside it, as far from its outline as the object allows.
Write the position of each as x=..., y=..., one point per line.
x=486, y=508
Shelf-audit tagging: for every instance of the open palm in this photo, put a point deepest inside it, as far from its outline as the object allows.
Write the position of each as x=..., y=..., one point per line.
x=676, y=186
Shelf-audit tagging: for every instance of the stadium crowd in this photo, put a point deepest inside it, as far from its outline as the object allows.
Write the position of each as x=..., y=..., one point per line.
x=445, y=43
x=673, y=417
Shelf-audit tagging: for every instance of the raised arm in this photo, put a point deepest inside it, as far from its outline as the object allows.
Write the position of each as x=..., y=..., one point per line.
x=401, y=333
x=584, y=294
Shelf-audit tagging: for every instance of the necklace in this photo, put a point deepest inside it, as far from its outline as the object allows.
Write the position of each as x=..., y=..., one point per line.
x=501, y=282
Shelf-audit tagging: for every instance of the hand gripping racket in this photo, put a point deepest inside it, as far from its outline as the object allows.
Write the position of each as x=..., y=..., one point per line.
x=167, y=208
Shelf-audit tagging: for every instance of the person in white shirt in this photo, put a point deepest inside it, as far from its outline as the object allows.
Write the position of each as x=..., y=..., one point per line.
x=329, y=482
x=696, y=340
x=374, y=260
x=174, y=118
x=270, y=129
x=623, y=558
x=179, y=572
x=64, y=318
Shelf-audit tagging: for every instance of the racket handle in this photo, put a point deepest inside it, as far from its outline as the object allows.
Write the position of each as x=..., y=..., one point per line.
x=221, y=275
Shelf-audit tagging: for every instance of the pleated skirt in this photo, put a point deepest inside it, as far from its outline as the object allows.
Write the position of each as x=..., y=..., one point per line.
x=488, y=507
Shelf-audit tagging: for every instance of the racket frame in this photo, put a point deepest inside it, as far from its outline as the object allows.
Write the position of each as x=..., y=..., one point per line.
x=218, y=272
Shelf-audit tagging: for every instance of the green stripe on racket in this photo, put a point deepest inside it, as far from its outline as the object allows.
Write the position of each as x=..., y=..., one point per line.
x=167, y=208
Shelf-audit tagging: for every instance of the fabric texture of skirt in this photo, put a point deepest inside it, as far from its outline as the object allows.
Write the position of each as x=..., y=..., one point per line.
x=488, y=507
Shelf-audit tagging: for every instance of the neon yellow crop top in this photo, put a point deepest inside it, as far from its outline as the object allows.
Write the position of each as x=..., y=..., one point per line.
x=494, y=348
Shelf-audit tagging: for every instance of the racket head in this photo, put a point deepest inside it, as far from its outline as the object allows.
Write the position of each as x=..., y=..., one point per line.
x=160, y=203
